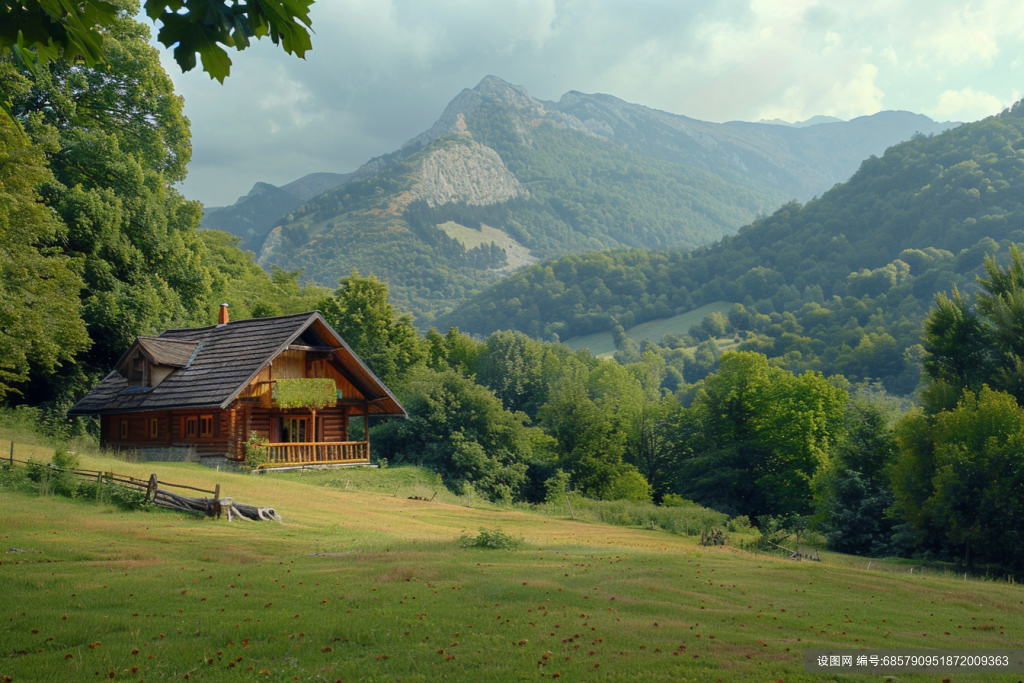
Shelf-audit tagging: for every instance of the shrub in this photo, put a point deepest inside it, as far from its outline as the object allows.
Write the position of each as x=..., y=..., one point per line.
x=65, y=459
x=739, y=523
x=630, y=485
x=674, y=500
x=256, y=453
x=495, y=539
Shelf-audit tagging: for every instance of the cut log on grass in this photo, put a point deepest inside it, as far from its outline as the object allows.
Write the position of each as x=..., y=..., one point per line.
x=213, y=507
x=249, y=513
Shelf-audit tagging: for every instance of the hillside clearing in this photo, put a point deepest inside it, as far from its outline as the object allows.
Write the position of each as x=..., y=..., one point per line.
x=602, y=346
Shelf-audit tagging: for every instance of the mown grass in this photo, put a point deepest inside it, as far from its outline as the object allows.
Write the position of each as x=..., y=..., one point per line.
x=366, y=586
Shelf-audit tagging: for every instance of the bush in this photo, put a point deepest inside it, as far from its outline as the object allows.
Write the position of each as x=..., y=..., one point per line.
x=65, y=460
x=495, y=539
x=256, y=453
x=739, y=523
x=630, y=485
x=674, y=500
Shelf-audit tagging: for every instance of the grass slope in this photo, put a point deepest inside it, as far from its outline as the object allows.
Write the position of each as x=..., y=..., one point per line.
x=371, y=587
x=601, y=344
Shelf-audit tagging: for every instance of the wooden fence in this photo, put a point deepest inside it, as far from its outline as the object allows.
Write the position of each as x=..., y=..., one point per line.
x=155, y=494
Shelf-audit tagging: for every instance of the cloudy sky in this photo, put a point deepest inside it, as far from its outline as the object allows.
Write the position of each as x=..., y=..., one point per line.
x=381, y=71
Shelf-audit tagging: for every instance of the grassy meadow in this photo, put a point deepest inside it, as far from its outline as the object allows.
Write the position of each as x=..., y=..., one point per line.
x=361, y=584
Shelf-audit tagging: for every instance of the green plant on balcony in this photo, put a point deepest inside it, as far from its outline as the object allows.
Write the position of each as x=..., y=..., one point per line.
x=311, y=393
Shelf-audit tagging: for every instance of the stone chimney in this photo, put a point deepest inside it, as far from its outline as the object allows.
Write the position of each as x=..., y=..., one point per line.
x=222, y=317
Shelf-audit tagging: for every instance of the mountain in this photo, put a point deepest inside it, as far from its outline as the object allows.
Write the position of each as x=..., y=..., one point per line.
x=799, y=160
x=865, y=259
x=253, y=215
x=813, y=121
x=503, y=179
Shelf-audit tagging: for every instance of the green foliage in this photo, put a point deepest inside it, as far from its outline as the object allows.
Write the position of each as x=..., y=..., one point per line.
x=124, y=497
x=959, y=477
x=361, y=314
x=65, y=459
x=256, y=451
x=755, y=437
x=309, y=392
x=494, y=539
x=556, y=487
x=740, y=523
x=40, y=322
x=51, y=29
x=685, y=520
x=459, y=429
x=674, y=500
x=630, y=485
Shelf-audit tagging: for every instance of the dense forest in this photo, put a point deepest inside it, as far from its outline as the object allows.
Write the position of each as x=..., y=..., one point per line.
x=792, y=429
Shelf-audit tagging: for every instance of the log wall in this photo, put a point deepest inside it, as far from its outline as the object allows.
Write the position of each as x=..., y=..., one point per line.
x=171, y=431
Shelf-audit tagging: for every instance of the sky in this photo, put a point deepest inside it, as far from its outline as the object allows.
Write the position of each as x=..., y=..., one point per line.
x=381, y=71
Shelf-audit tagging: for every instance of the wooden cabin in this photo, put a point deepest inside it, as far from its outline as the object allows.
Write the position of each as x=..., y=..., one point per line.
x=208, y=390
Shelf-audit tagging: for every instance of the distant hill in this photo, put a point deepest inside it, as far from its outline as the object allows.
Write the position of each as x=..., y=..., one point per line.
x=253, y=215
x=813, y=121
x=536, y=180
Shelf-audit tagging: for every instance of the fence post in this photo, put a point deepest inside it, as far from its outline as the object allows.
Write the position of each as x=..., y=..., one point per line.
x=571, y=513
x=151, y=489
x=12, y=454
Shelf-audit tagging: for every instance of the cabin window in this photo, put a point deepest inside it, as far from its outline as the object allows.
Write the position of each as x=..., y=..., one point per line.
x=124, y=429
x=294, y=429
x=191, y=427
x=205, y=426
x=154, y=428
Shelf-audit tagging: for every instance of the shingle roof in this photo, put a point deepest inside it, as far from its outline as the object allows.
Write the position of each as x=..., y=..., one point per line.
x=174, y=353
x=226, y=358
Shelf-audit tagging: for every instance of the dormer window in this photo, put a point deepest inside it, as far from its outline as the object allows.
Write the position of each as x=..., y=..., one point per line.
x=150, y=360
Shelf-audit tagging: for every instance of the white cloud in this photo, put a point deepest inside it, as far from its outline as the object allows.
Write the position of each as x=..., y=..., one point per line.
x=381, y=71
x=968, y=105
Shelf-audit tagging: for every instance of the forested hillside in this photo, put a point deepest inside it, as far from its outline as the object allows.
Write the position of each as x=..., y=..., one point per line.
x=840, y=284
x=587, y=172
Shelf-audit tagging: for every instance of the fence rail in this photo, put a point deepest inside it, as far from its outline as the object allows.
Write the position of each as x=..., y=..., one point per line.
x=154, y=494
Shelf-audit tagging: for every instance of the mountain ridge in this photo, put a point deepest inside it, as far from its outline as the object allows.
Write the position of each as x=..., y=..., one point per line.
x=586, y=172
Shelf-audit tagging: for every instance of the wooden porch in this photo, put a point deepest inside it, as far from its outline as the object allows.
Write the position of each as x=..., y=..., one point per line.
x=296, y=454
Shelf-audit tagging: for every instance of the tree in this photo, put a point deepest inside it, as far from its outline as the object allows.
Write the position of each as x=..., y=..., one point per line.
x=854, y=491
x=960, y=478
x=511, y=365
x=459, y=429
x=360, y=312
x=40, y=319
x=956, y=343
x=755, y=437
x=116, y=141
x=49, y=30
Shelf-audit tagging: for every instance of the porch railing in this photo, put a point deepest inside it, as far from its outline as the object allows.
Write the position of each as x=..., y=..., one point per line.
x=316, y=453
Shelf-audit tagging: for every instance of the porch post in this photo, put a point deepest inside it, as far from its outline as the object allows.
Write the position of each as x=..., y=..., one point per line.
x=366, y=427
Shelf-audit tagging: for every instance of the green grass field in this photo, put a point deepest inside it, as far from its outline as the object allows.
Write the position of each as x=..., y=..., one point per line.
x=364, y=585
x=601, y=344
